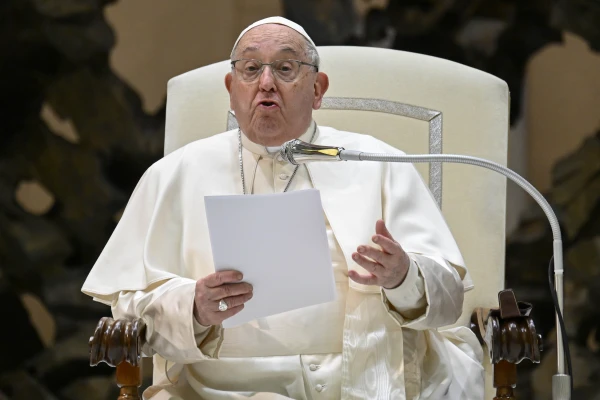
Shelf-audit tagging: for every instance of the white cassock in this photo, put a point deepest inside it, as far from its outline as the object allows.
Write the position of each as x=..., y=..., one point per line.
x=368, y=344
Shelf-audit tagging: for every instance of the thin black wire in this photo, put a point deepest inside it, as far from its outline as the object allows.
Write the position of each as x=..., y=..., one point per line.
x=561, y=322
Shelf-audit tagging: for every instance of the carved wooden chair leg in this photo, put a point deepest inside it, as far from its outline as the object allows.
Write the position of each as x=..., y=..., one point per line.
x=119, y=343
x=505, y=380
x=510, y=336
x=129, y=379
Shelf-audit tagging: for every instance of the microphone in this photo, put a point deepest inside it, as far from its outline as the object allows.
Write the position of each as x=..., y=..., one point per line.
x=298, y=152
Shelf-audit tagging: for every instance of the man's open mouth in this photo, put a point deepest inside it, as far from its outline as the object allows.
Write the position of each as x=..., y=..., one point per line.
x=268, y=104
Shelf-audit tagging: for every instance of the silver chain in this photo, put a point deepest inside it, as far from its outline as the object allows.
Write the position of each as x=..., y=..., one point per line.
x=242, y=162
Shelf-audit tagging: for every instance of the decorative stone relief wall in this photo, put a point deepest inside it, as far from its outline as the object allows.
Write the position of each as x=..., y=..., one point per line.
x=74, y=142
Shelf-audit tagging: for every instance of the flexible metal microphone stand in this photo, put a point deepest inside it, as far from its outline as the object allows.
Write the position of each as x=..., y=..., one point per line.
x=298, y=152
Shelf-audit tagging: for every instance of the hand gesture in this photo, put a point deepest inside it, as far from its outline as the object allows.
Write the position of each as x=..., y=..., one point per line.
x=387, y=265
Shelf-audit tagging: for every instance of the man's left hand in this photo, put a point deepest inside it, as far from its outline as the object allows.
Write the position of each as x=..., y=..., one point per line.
x=388, y=265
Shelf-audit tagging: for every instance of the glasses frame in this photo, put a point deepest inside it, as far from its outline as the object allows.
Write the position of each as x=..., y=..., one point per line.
x=263, y=65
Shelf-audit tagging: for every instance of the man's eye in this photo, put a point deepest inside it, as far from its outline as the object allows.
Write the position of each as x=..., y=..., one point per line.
x=251, y=68
x=285, y=67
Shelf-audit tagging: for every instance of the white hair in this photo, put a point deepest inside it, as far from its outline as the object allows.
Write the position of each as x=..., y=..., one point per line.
x=312, y=53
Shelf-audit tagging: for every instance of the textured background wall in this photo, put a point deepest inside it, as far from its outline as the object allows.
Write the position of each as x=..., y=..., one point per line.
x=157, y=43
x=563, y=89
x=82, y=98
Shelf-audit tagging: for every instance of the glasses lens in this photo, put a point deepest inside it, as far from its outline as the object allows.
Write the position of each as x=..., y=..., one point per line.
x=286, y=70
x=248, y=69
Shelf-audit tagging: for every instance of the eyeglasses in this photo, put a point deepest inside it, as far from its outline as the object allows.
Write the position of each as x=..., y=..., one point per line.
x=285, y=70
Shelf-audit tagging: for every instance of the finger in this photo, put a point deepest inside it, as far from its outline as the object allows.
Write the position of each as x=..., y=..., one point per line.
x=222, y=277
x=375, y=254
x=362, y=279
x=232, y=301
x=388, y=245
x=367, y=264
x=223, y=315
x=381, y=229
x=229, y=290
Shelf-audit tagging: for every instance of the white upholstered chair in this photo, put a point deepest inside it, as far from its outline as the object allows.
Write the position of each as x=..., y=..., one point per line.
x=417, y=103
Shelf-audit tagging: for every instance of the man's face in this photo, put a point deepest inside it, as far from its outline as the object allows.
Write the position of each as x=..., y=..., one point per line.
x=269, y=110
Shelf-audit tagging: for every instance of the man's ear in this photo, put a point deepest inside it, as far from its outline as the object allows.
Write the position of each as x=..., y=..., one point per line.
x=321, y=86
x=228, y=80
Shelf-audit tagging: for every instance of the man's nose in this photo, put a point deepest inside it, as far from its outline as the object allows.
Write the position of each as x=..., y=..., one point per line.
x=266, y=80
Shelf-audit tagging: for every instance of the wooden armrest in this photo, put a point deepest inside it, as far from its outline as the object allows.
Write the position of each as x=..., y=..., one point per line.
x=119, y=344
x=510, y=336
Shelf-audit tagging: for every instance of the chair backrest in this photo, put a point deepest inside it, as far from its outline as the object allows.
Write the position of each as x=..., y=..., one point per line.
x=417, y=103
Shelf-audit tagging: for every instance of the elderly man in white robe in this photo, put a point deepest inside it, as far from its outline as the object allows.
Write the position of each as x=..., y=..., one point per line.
x=399, y=274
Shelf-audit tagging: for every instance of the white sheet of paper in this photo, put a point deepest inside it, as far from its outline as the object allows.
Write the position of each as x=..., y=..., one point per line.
x=279, y=242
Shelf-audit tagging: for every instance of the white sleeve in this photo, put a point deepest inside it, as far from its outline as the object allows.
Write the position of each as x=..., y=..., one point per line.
x=428, y=299
x=409, y=298
x=171, y=329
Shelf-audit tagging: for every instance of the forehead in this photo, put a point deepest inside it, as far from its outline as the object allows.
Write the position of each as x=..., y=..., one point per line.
x=271, y=38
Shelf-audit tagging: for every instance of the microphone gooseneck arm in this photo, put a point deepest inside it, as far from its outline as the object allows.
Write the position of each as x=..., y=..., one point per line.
x=298, y=152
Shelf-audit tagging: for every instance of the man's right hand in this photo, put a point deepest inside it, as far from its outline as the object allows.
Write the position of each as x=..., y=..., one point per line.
x=223, y=285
